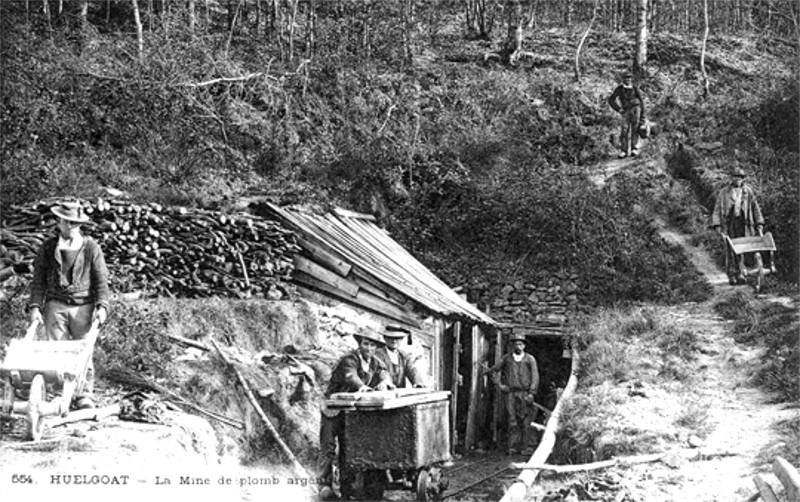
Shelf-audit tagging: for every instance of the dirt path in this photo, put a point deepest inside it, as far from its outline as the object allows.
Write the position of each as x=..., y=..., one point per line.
x=741, y=417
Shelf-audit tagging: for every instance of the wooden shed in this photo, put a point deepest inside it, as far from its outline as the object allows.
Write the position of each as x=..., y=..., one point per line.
x=347, y=257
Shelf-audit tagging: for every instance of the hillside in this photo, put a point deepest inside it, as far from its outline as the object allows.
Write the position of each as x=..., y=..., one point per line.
x=491, y=174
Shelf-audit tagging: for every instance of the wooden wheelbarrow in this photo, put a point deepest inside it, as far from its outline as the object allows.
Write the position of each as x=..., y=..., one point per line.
x=757, y=244
x=31, y=367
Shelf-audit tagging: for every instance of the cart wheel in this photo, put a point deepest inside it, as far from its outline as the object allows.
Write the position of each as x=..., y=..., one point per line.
x=35, y=398
x=8, y=398
x=424, y=485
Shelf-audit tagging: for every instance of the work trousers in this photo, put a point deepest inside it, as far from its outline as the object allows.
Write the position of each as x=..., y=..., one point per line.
x=331, y=429
x=521, y=413
x=629, y=132
x=70, y=322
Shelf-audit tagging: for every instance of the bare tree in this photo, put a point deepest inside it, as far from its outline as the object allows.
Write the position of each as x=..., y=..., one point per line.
x=583, y=39
x=513, y=46
x=137, y=19
x=478, y=19
x=703, y=51
x=641, y=38
x=192, y=19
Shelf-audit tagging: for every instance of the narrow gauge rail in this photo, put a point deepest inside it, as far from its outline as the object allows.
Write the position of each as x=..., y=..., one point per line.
x=480, y=477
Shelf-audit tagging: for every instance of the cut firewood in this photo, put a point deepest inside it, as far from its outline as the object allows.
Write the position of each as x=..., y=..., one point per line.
x=95, y=414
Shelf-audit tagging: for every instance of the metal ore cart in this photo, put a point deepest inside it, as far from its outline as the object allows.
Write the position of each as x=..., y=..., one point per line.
x=394, y=440
x=38, y=368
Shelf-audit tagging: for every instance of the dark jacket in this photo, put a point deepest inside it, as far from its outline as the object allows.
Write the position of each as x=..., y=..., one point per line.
x=523, y=375
x=405, y=368
x=349, y=376
x=88, y=282
x=623, y=99
x=750, y=209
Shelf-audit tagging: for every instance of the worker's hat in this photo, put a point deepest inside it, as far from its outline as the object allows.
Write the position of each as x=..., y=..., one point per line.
x=738, y=172
x=626, y=74
x=369, y=334
x=517, y=338
x=395, y=332
x=70, y=211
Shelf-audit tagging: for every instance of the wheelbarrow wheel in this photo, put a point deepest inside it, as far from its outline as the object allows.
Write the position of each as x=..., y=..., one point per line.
x=36, y=397
x=424, y=488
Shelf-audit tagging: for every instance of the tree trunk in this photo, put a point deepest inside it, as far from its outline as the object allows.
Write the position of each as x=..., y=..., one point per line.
x=192, y=19
x=583, y=39
x=641, y=38
x=703, y=51
x=514, y=34
x=139, y=35
x=83, y=14
x=46, y=10
x=408, y=13
x=292, y=22
x=311, y=29
x=366, y=44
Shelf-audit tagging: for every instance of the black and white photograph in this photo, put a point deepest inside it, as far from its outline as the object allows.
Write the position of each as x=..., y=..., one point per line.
x=400, y=250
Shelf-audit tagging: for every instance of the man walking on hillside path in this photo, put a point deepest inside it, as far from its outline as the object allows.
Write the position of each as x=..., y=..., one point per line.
x=627, y=100
x=737, y=214
x=517, y=376
x=400, y=364
x=69, y=289
x=356, y=371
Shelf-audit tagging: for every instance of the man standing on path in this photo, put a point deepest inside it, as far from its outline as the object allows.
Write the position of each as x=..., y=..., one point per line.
x=400, y=364
x=627, y=100
x=356, y=371
x=517, y=376
x=737, y=214
x=69, y=289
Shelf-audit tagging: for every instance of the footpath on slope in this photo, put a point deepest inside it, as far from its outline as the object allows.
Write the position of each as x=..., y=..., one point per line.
x=741, y=417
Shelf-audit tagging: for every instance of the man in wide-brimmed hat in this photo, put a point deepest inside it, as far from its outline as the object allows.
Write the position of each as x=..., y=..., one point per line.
x=69, y=289
x=627, y=100
x=737, y=214
x=356, y=371
x=402, y=366
x=517, y=376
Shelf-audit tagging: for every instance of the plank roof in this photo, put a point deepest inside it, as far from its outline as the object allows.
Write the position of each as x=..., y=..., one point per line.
x=357, y=239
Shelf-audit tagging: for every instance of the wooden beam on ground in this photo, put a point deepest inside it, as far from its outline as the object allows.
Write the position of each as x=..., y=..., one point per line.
x=187, y=341
x=299, y=469
x=789, y=477
x=95, y=414
x=765, y=490
x=519, y=490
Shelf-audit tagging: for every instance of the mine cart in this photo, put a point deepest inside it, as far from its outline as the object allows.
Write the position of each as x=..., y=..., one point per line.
x=756, y=244
x=36, y=369
x=394, y=440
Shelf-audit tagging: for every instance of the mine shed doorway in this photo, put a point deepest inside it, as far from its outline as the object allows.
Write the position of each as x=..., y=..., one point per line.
x=479, y=418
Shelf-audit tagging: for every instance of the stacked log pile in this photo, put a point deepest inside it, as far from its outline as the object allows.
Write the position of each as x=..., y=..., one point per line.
x=539, y=306
x=170, y=251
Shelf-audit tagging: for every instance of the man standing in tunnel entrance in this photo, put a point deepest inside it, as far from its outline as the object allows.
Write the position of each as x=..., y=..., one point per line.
x=517, y=376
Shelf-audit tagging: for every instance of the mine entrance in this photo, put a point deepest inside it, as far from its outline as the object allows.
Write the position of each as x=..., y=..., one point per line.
x=479, y=406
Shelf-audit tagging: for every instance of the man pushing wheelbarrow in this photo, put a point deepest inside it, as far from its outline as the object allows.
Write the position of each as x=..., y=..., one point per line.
x=737, y=217
x=69, y=296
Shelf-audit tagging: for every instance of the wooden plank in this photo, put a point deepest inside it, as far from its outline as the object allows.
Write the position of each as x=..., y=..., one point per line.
x=752, y=244
x=789, y=477
x=362, y=299
x=474, y=387
x=326, y=257
x=323, y=274
x=498, y=397
x=454, y=378
x=764, y=489
x=352, y=214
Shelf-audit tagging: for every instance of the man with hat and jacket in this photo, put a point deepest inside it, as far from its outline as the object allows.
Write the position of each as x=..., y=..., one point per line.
x=517, y=376
x=737, y=214
x=400, y=364
x=627, y=100
x=69, y=289
x=356, y=371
